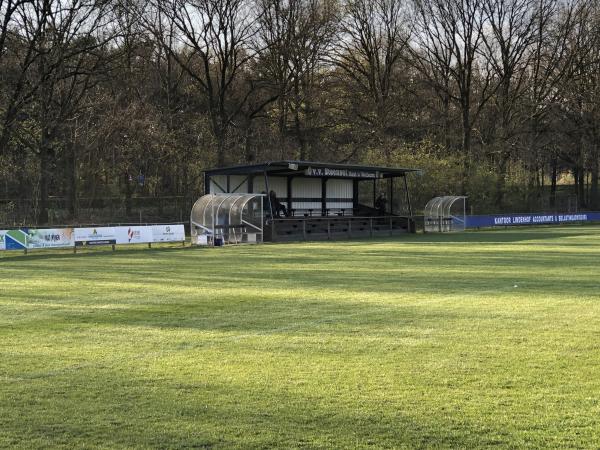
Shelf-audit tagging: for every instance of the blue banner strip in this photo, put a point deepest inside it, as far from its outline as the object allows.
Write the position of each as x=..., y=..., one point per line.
x=505, y=220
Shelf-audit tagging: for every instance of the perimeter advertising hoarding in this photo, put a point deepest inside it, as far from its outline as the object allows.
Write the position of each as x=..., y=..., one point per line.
x=530, y=219
x=142, y=234
x=95, y=236
x=133, y=234
x=150, y=233
x=168, y=233
x=28, y=238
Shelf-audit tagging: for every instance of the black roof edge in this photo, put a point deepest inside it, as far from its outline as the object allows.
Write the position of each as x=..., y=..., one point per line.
x=272, y=166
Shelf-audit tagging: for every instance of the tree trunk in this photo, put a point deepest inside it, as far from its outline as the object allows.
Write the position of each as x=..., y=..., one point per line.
x=553, y=182
x=466, y=147
x=447, y=122
x=501, y=181
x=128, y=195
x=576, y=183
x=72, y=177
x=249, y=153
x=298, y=122
x=44, y=160
x=580, y=187
x=594, y=194
x=530, y=187
x=221, y=135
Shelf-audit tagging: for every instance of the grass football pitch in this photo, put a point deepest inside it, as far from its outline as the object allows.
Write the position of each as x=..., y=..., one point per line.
x=482, y=339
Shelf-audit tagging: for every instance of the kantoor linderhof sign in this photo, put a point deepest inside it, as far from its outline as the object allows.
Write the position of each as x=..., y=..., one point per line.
x=340, y=173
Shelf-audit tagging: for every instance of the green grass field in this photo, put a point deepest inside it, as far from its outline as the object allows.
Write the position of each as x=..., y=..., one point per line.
x=470, y=340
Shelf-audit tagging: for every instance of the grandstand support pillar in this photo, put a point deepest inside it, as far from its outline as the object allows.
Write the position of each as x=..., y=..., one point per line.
x=374, y=191
x=392, y=196
x=407, y=197
x=304, y=229
x=328, y=229
x=268, y=191
x=349, y=228
x=206, y=184
x=289, y=194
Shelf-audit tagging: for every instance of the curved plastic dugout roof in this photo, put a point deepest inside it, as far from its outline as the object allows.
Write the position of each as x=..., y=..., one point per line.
x=437, y=213
x=218, y=209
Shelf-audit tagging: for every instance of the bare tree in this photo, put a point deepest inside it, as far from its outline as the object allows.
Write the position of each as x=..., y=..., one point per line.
x=578, y=108
x=277, y=33
x=557, y=43
x=447, y=45
x=8, y=8
x=62, y=47
x=374, y=37
x=211, y=41
x=19, y=38
x=296, y=36
x=508, y=50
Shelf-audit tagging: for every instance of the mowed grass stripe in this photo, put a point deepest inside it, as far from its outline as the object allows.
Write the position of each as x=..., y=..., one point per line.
x=471, y=340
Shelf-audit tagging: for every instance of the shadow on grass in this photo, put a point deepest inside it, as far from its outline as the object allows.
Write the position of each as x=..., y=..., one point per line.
x=132, y=406
x=253, y=316
x=505, y=236
x=141, y=251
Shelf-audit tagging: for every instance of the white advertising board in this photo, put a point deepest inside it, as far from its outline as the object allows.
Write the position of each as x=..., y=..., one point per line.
x=2, y=242
x=51, y=238
x=133, y=234
x=95, y=236
x=168, y=233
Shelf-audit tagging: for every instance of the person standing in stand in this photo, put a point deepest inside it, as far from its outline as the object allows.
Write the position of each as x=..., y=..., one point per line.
x=380, y=203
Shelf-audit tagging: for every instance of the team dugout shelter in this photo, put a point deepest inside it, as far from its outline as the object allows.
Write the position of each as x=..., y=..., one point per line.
x=314, y=200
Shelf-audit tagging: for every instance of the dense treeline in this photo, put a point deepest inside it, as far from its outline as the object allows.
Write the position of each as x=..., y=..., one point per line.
x=496, y=99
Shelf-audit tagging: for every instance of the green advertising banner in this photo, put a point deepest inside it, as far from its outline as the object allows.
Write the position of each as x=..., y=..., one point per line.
x=27, y=238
